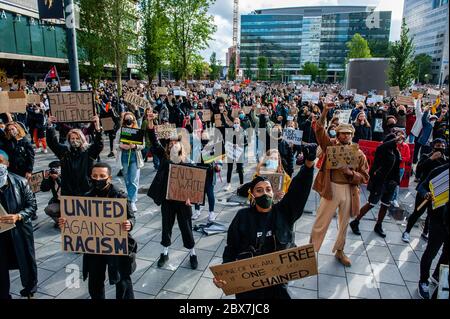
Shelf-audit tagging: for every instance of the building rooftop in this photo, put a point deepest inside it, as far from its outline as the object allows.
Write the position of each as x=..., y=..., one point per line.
x=315, y=10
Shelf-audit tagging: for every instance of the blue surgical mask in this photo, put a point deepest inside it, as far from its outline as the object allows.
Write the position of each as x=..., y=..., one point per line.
x=192, y=115
x=272, y=164
x=332, y=133
x=241, y=116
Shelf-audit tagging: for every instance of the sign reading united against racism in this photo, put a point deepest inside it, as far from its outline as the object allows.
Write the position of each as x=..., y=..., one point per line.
x=267, y=270
x=166, y=131
x=293, y=136
x=186, y=182
x=276, y=179
x=36, y=181
x=131, y=135
x=70, y=107
x=94, y=225
x=342, y=156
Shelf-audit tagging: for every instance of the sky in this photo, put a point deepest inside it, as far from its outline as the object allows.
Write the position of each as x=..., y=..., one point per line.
x=222, y=11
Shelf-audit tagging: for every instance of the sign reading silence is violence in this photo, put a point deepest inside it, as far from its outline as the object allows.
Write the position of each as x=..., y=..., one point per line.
x=93, y=225
x=72, y=107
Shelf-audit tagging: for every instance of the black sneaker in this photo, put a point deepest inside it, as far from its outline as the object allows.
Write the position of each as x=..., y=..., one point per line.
x=354, y=225
x=194, y=261
x=120, y=173
x=162, y=260
x=26, y=293
x=111, y=154
x=309, y=152
x=379, y=230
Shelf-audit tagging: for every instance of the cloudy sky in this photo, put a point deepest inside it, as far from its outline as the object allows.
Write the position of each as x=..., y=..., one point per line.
x=222, y=11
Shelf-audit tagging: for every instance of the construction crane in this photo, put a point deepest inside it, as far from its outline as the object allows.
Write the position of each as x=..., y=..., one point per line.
x=235, y=33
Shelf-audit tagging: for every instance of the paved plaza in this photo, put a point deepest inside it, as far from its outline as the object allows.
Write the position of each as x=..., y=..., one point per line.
x=381, y=268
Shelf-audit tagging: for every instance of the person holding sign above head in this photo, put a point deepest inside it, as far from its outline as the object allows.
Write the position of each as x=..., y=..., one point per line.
x=265, y=227
x=77, y=158
x=120, y=267
x=18, y=204
x=384, y=178
x=130, y=157
x=363, y=131
x=233, y=155
x=338, y=188
x=173, y=153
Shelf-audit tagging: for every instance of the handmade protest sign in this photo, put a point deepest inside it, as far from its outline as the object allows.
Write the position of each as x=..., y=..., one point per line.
x=342, y=156
x=4, y=102
x=162, y=90
x=17, y=101
x=293, y=136
x=40, y=85
x=344, y=116
x=136, y=100
x=209, y=91
x=132, y=83
x=186, y=182
x=70, y=107
x=359, y=98
x=439, y=189
x=375, y=99
x=276, y=179
x=129, y=135
x=267, y=270
x=204, y=115
x=65, y=88
x=3, y=226
x=310, y=97
x=107, y=124
x=33, y=99
x=394, y=91
x=417, y=94
x=378, y=127
x=94, y=225
x=166, y=131
x=405, y=100
x=233, y=151
x=36, y=181
x=218, y=120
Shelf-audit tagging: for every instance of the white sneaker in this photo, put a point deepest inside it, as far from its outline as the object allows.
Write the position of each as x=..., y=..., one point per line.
x=37, y=150
x=212, y=216
x=395, y=204
x=227, y=188
x=405, y=237
x=45, y=151
x=133, y=207
x=196, y=214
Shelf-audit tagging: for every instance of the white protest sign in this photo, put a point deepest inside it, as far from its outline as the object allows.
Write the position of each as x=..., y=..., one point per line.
x=344, y=116
x=233, y=151
x=293, y=136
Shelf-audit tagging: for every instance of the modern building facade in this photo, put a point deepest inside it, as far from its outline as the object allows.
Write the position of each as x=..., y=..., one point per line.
x=290, y=37
x=427, y=21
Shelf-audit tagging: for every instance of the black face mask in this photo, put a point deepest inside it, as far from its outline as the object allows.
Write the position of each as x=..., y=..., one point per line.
x=100, y=184
x=442, y=150
x=264, y=201
x=205, y=142
x=401, y=113
x=128, y=122
x=391, y=125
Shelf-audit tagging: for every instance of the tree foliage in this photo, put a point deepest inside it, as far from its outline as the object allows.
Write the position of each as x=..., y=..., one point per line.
x=312, y=69
x=215, y=68
x=422, y=64
x=262, y=65
x=232, y=67
x=358, y=48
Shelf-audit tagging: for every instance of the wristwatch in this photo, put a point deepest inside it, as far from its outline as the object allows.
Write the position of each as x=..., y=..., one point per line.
x=20, y=217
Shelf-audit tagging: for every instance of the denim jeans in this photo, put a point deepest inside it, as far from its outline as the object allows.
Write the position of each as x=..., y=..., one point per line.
x=209, y=189
x=397, y=189
x=131, y=174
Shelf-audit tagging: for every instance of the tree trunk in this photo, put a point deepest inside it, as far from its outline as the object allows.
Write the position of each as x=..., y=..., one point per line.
x=119, y=77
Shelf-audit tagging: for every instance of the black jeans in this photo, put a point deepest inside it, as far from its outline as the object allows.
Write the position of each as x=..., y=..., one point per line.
x=209, y=190
x=438, y=236
x=240, y=170
x=417, y=147
x=416, y=215
x=183, y=213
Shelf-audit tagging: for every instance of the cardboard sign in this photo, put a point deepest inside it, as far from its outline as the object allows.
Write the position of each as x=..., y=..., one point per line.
x=439, y=189
x=293, y=136
x=129, y=135
x=186, y=182
x=107, y=124
x=405, y=100
x=70, y=107
x=66, y=88
x=310, y=97
x=276, y=179
x=417, y=94
x=5, y=227
x=394, y=91
x=267, y=270
x=344, y=116
x=204, y=115
x=94, y=225
x=162, y=90
x=136, y=100
x=218, y=120
x=33, y=98
x=36, y=181
x=233, y=151
x=40, y=85
x=17, y=101
x=342, y=156
x=132, y=84
x=166, y=131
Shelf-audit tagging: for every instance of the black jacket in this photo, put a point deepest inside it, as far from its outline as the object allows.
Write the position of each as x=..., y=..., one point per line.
x=76, y=165
x=21, y=155
x=362, y=132
x=117, y=265
x=49, y=184
x=386, y=166
x=22, y=235
x=426, y=165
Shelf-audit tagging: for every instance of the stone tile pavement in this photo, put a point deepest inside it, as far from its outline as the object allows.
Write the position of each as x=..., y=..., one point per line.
x=382, y=268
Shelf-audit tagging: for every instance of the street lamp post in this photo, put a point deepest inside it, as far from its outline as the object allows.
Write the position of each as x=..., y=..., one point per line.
x=72, y=50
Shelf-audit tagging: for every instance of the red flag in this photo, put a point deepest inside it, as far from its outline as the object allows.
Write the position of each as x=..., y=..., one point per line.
x=52, y=74
x=107, y=107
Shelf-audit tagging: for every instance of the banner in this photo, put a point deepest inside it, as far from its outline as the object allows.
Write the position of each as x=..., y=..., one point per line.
x=166, y=131
x=276, y=179
x=36, y=181
x=342, y=156
x=50, y=9
x=71, y=107
x=186, y=182
x=129, y=135
x=5, y=227
x=94, y=225
x=267, y=270
x=293, y=136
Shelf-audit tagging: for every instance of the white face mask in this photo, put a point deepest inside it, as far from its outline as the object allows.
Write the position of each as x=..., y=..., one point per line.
x=3, y=175
x=175, y=153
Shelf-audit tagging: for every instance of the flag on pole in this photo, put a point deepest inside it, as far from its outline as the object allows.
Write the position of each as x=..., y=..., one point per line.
x=52, y=74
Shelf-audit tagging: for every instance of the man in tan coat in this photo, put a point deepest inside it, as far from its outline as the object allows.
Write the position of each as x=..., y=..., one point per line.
x=338, y=188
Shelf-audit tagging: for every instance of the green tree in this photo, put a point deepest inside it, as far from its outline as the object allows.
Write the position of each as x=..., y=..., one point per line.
x=199, y=67
x=379, y=48
x=232, y=68
x=120, y=25
x=262, y=65
x=91, y=41
x=323, y=72
x=358, y=48
x=422, y=63
x=154, y=36
x=191, y=27
x=248, y=67
x=277, y=72
x=312, y=69
x=401, y=67
x=215, y=69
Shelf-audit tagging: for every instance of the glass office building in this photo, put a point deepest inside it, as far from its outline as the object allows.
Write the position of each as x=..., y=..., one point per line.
x=290, y=37
x=427, y=21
